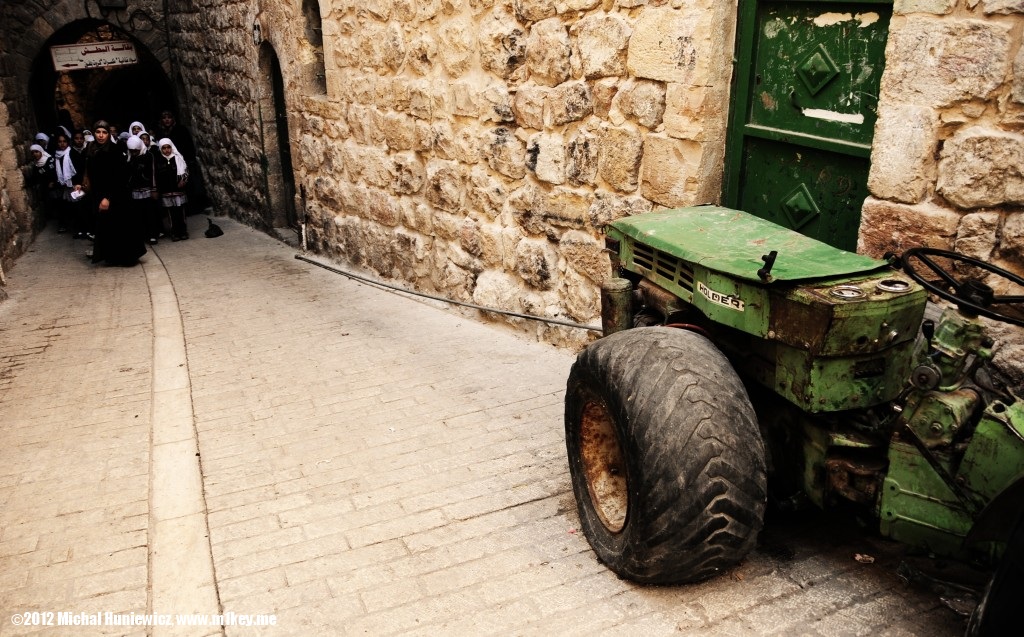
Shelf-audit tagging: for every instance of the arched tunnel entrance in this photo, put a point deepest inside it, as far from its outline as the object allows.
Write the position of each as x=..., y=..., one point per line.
x=119, y=93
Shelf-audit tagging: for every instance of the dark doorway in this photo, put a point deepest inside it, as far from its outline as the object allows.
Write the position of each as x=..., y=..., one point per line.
x=277, y=154
x=120, y=94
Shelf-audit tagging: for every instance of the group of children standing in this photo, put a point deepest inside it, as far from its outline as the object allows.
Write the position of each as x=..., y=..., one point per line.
x=120, y=192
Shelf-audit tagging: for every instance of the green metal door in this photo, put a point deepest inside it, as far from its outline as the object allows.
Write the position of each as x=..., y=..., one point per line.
x=803, y=113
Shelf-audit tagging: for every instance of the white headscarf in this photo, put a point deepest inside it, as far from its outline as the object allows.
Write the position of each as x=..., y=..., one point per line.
x=133, y=125
x=65, y=167
x=43, y=137
x=45, y=155
x=178, y=159
x=135, y=143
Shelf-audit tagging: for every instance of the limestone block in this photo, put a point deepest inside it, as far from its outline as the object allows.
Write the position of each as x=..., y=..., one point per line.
x=935, y=62
x=380, y=9
x=566, y=6
x=903, y=157
x=426, y=135
x=1012, y=239
x=602, y=93
x=528, y=106
x=444, y=185
x=499, y=290
x=361, y=123
x=1017, y=92
x=548, y=52
x=585, y=254
x=982, y=167
x=355, y=200
x=903, y=7
x=548, y=149
x=977, y=235
x=421, y=53
x=403, y=10
x=392, y=47
x=419, y=217
x=492, y=245
x=569, y=102
x=375, y=166
x=669, y=170
x=886, y=226
x=642, y=101
x=527, y=207
x=409, y=252
x=497, y=104
x=689, y=109
x=485, y=193
x=619, y=156
x=1004, y=7
x=608, y=207
x=438, y=137
x=502, y=42
x=506, y=153
x=565, y=208
x=428, y=9
x=465, y=98
x=599, y=44
x=350, y=239
x=457, y=46
x=582, y=158
x=664, y=46
x=447, y=226
x=407, y=173
x=314, y=125
x=383, y=208
x=533, y=10
x=399, y=131
x=311, y=151
x=465, y=261
x=469, y=237
x=326, y=190
x=510, y=238
x=582, y=297
x=468, y=143
x=536, y=263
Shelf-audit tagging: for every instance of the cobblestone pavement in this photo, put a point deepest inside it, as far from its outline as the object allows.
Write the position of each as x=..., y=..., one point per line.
x=349, y=460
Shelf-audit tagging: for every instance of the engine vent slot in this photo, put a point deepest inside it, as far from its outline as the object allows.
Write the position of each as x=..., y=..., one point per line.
x=665, y=268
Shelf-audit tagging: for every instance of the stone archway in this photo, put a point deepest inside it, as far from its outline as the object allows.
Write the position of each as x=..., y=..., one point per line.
x=120, y=94
x=276, y=156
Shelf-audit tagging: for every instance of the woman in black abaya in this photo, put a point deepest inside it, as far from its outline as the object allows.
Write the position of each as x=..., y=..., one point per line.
x=118, y=241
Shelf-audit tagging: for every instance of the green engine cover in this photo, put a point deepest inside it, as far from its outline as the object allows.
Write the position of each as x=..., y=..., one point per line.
x=832, y=330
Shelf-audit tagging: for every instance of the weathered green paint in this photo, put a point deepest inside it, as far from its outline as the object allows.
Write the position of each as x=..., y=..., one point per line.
x=733, y=242
x=803, y=112
x=917, y=507
x=995, y=456
x=821, y=350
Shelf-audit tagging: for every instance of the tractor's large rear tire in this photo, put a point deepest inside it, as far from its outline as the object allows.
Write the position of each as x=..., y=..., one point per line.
x=667, y=463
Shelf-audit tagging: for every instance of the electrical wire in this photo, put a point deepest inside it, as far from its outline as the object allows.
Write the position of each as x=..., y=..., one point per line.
x=483, y=308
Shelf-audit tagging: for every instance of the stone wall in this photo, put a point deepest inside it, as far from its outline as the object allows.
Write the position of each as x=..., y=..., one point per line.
x=473, y=148
x=948, y=160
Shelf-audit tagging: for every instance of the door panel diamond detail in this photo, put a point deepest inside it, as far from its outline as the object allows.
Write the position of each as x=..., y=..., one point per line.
x=817, y=70
x=799, y=207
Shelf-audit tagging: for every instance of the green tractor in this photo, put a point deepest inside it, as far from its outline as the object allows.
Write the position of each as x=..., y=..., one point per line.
x=741, y=359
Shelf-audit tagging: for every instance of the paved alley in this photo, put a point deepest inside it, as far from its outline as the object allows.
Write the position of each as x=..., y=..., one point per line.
x=228, y=430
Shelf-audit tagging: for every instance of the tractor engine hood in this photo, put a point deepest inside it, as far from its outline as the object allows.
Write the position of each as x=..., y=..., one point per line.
x=732, y=242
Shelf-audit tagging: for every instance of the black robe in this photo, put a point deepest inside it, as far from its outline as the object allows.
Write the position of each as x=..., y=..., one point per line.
x=118, y=234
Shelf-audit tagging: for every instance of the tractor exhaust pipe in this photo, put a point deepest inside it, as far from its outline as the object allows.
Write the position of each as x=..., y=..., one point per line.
x=616, y=305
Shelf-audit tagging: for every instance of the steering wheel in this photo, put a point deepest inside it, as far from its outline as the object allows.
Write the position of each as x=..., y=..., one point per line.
x=970, y=295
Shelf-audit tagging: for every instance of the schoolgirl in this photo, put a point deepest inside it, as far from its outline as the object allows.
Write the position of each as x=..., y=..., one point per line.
x=171, y=178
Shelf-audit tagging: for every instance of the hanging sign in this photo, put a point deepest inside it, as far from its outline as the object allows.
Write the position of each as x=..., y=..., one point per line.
x=88, y=55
